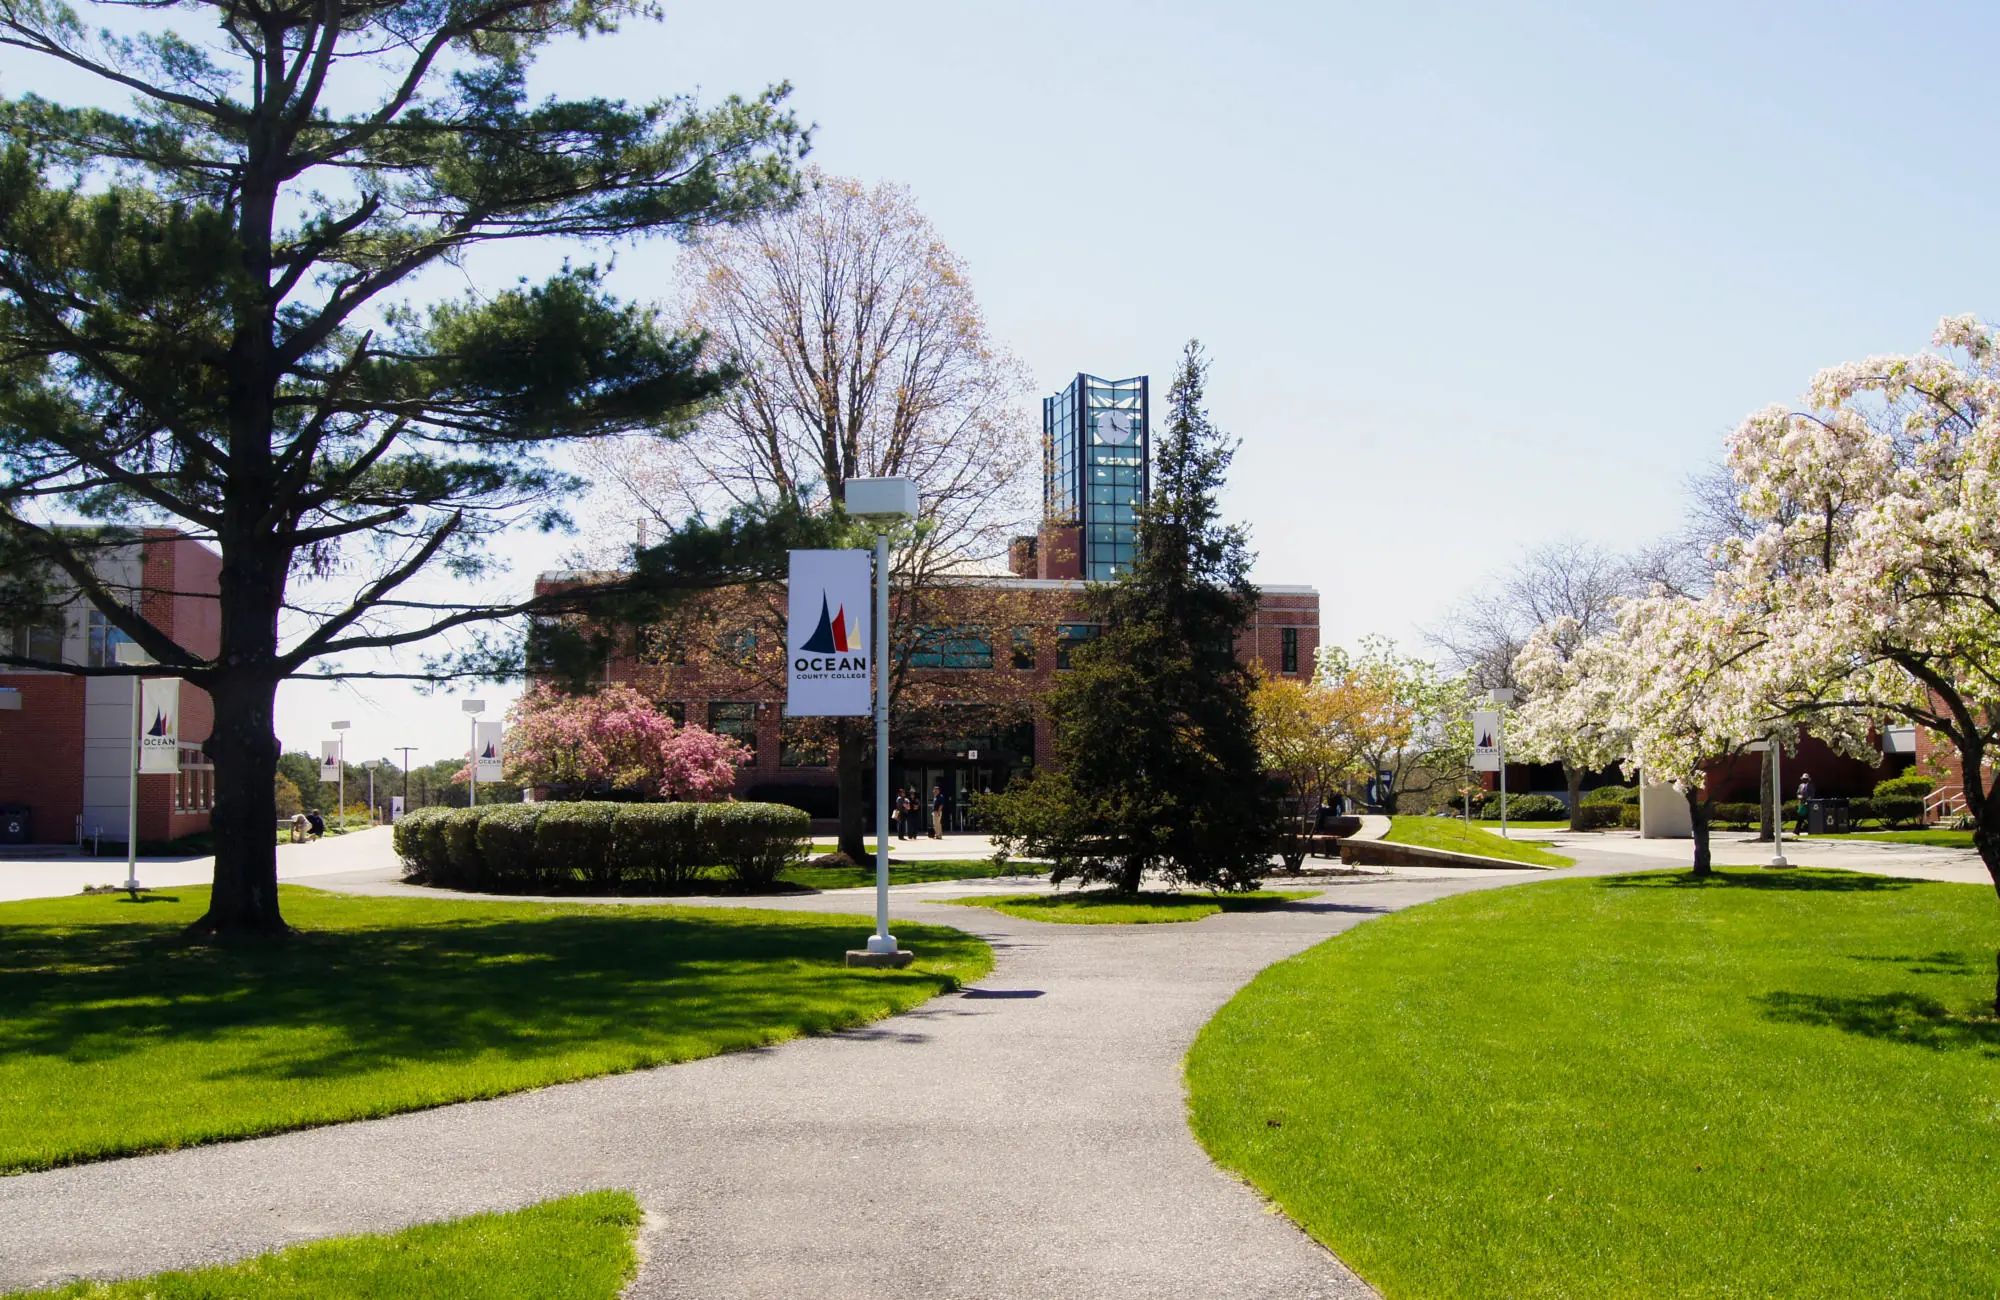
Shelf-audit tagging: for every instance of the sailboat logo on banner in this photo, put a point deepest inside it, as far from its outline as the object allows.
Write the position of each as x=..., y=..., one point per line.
x=831, y=637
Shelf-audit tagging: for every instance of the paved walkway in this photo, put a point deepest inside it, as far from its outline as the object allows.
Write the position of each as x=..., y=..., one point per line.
x=55, y=877
x=1026, y=1138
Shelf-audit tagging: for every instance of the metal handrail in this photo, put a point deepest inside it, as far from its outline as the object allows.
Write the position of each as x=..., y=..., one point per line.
x=1942, y=803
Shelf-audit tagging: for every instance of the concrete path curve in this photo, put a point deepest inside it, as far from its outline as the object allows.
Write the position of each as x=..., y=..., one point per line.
x=1026, y=1138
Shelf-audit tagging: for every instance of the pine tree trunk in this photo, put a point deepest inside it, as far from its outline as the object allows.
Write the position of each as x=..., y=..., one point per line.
x=244, y=747
x=1698, y=816
x=1573, y=777
x=1130, y=874
x=850, y=772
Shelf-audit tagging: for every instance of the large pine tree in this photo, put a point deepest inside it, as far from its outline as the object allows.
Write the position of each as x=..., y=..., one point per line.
x=1159, y=768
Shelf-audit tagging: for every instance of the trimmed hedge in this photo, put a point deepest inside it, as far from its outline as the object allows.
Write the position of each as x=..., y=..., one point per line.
x=590, y=847
x=1908, y=785
x=1612, y=795
x=1597, y=816
x=1897, y=809
x=1526, y=808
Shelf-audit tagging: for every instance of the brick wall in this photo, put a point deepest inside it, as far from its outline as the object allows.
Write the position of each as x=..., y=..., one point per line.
x=41, y=753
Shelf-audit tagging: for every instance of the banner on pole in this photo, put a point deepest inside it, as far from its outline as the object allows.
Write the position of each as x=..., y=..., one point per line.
x=826, y=638
x=395, y=808
x=1486, y=740
x=160, y=726
x=329, y=760
x=486, y=743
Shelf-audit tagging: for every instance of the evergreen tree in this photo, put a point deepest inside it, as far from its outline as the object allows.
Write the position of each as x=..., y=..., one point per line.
x=1159, y=766
x=205, y=305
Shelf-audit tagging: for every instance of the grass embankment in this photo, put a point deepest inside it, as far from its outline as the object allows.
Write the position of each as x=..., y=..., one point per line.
x=1516, y=824
x=901, y=873
x=1771, y=1084
x=1454, y=837
x=116, y=1036
x=1105, y=907
x=577, y=1248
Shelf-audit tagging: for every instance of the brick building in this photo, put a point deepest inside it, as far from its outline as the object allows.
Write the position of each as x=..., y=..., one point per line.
x=977, y=654
x=65, y=751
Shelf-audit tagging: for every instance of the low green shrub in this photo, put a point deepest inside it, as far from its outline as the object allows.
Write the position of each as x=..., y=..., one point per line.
x=1528, y=807
x=1628, y=816
x=755, y=841
x=416, y=836
x=1860, y=810
x=505, y=836
x=591, y=847
x=659, y=845
x=1612, y=794
x=1897, y=810
x=1909, y=785
x=573, y=848
x=1597, y=816
x=1736, y=815
x=459, y=828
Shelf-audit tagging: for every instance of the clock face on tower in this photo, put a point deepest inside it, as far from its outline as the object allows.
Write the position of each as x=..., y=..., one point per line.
x=1114, y=427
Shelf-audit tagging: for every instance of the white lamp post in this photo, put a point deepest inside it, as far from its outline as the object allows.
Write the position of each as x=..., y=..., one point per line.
x=883, y=502
x=341, y=787
x=473, y=708
x=129, y=654
x=1502, y=695
x=371, y=764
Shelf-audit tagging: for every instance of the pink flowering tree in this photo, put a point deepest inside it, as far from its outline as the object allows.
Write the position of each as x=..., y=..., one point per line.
x=614, y=739
x=1878, y=563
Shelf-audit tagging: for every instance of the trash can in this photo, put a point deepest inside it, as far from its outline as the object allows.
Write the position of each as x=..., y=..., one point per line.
x=14, y=824
x=1827, y=817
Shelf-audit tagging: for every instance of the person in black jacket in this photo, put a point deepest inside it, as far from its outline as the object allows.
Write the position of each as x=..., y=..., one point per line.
x=937, y=812
x=1807, y=790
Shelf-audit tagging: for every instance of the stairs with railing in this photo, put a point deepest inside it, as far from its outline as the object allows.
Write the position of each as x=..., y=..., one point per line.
x=1943, y=804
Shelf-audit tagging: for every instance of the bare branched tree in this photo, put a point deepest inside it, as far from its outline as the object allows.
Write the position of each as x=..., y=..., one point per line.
x=863, y=354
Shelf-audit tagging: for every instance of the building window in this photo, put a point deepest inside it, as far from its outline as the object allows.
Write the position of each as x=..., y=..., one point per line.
x=1288, y=649
x=738, y=647
x=1024, y=648
x=104, y=640
x=735, y=719
x=677, y=710
x=802, y=742
x=39, y=641
x=951, y=647
x=194, y=784
x=1068, y=637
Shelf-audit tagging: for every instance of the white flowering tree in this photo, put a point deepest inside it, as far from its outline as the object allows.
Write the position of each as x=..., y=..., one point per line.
x=1570, y=681
x=1879, y=556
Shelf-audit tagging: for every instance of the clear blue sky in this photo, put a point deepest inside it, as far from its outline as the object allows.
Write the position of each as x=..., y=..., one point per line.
x=1472, y=276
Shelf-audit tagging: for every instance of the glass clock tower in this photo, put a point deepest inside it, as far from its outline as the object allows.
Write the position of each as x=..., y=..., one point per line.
x=1096, y=438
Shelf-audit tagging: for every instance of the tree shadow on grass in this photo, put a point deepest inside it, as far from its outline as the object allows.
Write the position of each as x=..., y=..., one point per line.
x=1934, y=963
x=335, y=1003
x=1911, y=1018
x=1793, y=881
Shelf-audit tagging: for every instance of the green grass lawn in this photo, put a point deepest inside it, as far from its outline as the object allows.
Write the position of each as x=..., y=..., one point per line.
x=1104, y=907
x=903, y=873
x=1443, y=833
x=1516, y=824
x=1772, y=1084
x=117, y=1037
x=577, y=1248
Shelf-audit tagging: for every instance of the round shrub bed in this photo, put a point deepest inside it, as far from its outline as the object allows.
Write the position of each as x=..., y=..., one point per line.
x=602, y=848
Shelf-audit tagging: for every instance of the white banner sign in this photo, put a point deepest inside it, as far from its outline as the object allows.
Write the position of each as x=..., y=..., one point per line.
x=1486, y=740
x=395, y=808
x=160, y=726
x=486, y=741
x=329, y=760
x=826, y=643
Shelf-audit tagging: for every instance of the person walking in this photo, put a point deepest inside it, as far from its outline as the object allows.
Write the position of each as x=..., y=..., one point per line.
x=937, y=812
x=1806, y=793
x=902, y=807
